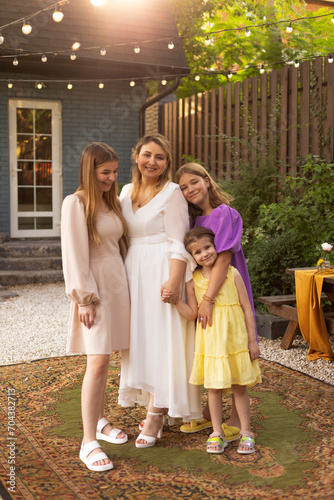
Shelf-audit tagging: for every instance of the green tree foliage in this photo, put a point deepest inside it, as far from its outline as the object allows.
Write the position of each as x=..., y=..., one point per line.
x=230, y=50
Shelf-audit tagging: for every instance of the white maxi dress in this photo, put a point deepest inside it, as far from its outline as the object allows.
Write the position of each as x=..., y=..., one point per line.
x=161, y=349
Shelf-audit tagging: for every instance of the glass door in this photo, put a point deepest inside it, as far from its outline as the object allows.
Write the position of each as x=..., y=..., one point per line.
x=35, y=169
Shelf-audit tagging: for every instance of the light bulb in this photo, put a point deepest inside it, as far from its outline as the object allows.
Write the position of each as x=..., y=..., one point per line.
x=262, y=70
x=296, y=63
x=57, y=16
x=39, y=85
x=229, y=75
x=97, y=3
x=330, y=58
x=26, y=28
x=44, y=58
x=101, y=85
x=76, y=45
x=69, y=86
x=103, y=52
x=15, y=62
x=10, y=85
x=207, y=41
x=73, y=56
x=163, y=82
x=171, y=45
x=333, y=19
x=136, y=49
x=2, y=39
x=289, y=28
x=197, y=78
x=132, y=83
x=247, y=32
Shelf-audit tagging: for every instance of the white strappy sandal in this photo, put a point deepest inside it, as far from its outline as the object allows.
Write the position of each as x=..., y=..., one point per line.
x=112, y=436
x=150, y=440
x=86, y=449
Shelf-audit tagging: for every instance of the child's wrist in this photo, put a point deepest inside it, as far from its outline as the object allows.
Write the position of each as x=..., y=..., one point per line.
x=209, y=299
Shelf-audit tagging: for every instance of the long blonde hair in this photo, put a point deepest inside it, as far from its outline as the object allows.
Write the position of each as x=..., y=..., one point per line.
x=92, y=157
x=165, y=177
x=216, y=195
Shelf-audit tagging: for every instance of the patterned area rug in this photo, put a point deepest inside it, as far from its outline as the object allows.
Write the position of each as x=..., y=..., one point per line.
x=292, y=416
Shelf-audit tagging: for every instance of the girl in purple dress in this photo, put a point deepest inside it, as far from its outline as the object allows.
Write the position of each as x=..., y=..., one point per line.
x=209, y=207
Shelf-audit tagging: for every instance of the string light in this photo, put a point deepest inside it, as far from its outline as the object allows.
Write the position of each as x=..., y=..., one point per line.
x=207, y=41
x=15, y=62
x=248, y=32
x=289, y=28
x=57, y=16
x=26, y=28
x=229, y=75
x=73, y=56
x=103, y=52
x=171, y=45
x=333, y=19
x=197, y=78
x=136, y=50
x=296, y=63
x=69, y=86
x=44, y=58
x=39, y=85
x=97, y=3
x=163, y=82
x=330, y=58
x=10, y=85
x=262, y=70
x=101, y=85
x=132, y=83
x=2, y=39
x=76, y=45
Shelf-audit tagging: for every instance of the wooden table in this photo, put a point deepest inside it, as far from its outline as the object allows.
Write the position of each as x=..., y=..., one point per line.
x=327, y=287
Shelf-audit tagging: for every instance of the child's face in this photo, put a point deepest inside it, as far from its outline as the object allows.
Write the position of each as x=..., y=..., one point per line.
x=195, y=189
x=204, y=252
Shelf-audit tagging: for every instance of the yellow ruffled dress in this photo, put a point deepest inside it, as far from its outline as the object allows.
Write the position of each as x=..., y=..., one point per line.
x=221, y=351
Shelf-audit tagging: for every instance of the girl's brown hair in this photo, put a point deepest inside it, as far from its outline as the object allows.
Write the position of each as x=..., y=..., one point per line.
x=196, y=234
x=216, y=195
x=165, y=177
x=92, y=157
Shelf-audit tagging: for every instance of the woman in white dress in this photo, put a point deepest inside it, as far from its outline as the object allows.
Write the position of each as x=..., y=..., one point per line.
x=92, y=226
x=154, y=370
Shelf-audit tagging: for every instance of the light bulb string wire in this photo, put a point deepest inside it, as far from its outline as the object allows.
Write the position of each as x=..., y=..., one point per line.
x=28, y=17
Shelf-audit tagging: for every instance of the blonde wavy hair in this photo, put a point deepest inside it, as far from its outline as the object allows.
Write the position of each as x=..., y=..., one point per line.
x=92, y=157
x=165, y=177
x=216, y=195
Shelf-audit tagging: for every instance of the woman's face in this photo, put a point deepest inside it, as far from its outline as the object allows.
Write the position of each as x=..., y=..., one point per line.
x=195, y=189
x=106, y=175
x=151, y=161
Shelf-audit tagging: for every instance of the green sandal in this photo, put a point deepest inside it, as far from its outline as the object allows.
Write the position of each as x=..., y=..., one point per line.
x=246, y=442
x=216, y=443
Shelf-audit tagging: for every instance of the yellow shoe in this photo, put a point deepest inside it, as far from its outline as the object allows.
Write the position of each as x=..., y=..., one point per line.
x=231, y=433
x=195, y=426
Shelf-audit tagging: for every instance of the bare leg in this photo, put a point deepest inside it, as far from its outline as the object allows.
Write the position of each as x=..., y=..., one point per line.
x=242, y=404
x=234, y=417
x=92, y=398
x=215, y=406
x=152, y=422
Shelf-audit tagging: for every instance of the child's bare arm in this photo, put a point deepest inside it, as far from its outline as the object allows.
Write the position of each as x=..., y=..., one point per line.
x=188, y=309
x=253, y=347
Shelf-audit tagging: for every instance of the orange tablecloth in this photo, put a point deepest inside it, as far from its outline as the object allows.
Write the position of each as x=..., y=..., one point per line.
x=310, y=315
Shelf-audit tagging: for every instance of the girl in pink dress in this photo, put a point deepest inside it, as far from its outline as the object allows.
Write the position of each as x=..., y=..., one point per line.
x=92, y=227
x=209, y=207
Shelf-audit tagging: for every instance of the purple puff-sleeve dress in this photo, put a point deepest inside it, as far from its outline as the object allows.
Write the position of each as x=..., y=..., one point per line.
x=226, y=224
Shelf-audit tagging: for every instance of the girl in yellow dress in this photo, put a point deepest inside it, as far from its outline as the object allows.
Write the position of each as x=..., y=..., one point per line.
x=225, y=352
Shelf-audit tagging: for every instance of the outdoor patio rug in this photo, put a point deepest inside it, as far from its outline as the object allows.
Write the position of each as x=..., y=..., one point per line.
x=292, y=416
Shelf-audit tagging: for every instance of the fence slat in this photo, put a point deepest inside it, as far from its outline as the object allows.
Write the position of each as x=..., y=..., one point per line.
x=329, y=121
x=192, y=125
x=293, y=119
x=213, y=132
x=228, y=128
x=316, y=126
x=263, y=115
x=220, y=132
x=206, y=129
x=254, y=117
x=199, y=148
x=180, y=144
x=237, y=109
x=304, y=109
x=186, y=127
x=283, y=122
x=245, y=120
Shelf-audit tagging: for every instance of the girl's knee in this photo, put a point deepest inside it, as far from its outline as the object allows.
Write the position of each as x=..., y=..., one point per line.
x=239, y=389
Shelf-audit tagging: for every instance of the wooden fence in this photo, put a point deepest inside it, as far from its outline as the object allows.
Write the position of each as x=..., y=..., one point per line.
x=281, y=116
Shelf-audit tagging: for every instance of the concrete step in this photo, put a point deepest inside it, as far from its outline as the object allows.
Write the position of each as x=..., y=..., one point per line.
x=30, y=248
x=30, y=263
x=12, y=278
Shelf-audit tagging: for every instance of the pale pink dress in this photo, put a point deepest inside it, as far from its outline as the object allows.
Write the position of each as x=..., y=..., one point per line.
x=94, y=274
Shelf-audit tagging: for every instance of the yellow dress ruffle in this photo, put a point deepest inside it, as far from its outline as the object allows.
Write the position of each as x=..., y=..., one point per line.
x=221, y=351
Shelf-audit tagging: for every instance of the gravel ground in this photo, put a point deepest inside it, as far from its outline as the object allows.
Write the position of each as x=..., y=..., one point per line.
x=33, y=325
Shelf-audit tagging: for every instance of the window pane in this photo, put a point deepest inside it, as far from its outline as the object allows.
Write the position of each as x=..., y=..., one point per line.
x=43, y=121
x=43, y=147
x=25, y=198
x=25, y=147
x=26, y=223
x=43, y=174
x=44, y=223
x=43, y=200
x=24, y=120
x=26, y=177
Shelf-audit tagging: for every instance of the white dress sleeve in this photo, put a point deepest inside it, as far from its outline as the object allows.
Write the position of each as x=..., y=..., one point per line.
x=80, y=285
x=176, y=220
